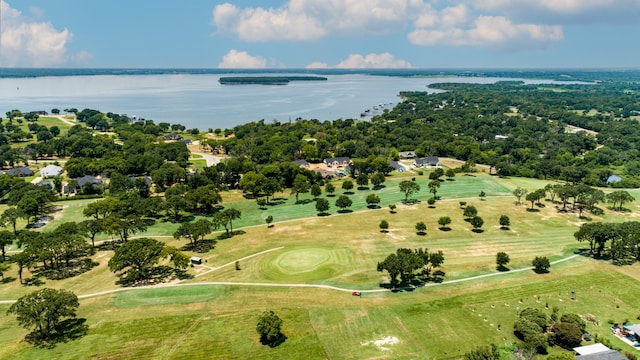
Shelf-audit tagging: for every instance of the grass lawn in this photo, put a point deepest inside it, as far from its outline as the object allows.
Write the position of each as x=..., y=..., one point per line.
x=435, y=321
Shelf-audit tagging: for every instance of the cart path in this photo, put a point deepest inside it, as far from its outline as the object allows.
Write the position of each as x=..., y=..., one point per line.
x=290, y=285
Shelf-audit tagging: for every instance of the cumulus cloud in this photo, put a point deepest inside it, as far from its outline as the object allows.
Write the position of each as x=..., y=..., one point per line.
x=489, y=30
x=564, y=11
x=312, y=19
x=235, y=59
x=369, y=61
x=29, y=43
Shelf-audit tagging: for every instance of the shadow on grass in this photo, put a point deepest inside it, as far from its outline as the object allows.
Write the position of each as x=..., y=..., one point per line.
x=533, y=210
x=275, y=341
x=502, y=268
x=35, y=281
x=348, y=192
x=182, y=219
x=201, y=246
x=363, y=188
x=411, y=201
x=345, y=211
x=477, y=231
x=504, y=228
x=379, y=187
x=444, y=228
x=421, y=233
x=303, y=202
x=541, y=271
x=67, y=330
x=373, y=206
x=322, y=214
x=8, y=279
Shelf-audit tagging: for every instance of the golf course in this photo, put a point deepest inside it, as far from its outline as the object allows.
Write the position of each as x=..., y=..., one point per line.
x=306, y=267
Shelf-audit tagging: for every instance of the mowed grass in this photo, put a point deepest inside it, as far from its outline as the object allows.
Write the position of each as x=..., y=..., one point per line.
x=436, y=321
x=432, y=323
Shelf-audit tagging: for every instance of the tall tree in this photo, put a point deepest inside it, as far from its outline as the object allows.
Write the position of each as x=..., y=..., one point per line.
x=135, y=259
x=433, y=187
x=43, y=309
x=300, y=185
x=519, y=193
x=270, y=329
x=408, y=188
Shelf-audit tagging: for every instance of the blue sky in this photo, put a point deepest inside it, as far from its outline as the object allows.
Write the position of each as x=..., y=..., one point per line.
x=320, y=33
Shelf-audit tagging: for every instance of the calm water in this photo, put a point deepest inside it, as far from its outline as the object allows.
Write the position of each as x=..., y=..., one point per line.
x=200, y=101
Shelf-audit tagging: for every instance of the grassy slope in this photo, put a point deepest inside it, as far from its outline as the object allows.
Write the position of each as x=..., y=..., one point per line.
x=439, y=322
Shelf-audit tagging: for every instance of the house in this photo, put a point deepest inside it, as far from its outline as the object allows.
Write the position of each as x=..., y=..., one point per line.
x=397, y=166
x=187, y=142
x=337, y=162
x=407, y=155
x=302, y=163
x=597, y=352
x=20, y=171
x=431, y=161
x=147, y=179
x=326, y=174
x=46, y=184
x=51, y=171
x=613, y=179
x=173, y=136
x=89, y=180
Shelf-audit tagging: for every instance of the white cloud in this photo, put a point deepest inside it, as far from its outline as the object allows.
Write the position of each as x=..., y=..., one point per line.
x=491, y=31
x=27, y=43
x=564, y=11
x=312, y=19
x=369, y=61
x=317, y=65
x=241, y=60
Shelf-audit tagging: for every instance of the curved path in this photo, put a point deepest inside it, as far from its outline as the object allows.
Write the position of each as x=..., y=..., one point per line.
x=211, y=160
x=318, y=286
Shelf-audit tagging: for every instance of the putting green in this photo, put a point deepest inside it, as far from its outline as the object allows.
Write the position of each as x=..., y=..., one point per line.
x=302, y=260
x=305, y=264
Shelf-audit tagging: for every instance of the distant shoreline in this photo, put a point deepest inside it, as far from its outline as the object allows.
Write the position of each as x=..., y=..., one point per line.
x=266, y=80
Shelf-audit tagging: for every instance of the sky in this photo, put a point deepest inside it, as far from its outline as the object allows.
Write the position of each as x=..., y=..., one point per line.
x=295, y=34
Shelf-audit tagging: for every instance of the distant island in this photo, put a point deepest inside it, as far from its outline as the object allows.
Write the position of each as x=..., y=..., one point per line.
x=267, y=80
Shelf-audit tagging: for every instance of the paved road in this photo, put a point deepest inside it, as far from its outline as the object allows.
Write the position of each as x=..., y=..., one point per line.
x=211, y=160
x=317, y=286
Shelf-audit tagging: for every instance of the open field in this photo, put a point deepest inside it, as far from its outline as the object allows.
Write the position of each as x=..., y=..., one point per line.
x=197, y=320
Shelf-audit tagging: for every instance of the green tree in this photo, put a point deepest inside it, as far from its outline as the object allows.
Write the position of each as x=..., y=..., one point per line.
x=269, y=220
x=408, y=188
x=362, y=180
x=90, y=228
x=470, y=212
x=316, y=190
x=322, y=205
x=477, y=223
x=373, y=200
x=330, y=188
x=574, y=319
x=433, y=187
x=436, y=174
x=505, y=222
x=421, y=228
x=42, y=310
x=541, y=264
x=486, y=352
x=6, y=238
x=193, y=231
x=4, y=267
x=620, y=197
x=270, y=329
x=377, y=179
x=444, y=222
x=567, y=335
x=179, y=259
x=136, y=258
x=343, y=202
x=502, y=259
x=450, y=174
x=519, y=193
x=300, y=185
x=347, y=185
x=384, y=226
x=392, y=208
x=482, y=195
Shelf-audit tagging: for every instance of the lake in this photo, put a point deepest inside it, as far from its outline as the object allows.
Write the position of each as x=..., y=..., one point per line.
x=198, y=100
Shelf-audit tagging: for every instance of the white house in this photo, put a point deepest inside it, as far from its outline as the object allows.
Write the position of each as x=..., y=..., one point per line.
x=51, y=171
x=339, y=161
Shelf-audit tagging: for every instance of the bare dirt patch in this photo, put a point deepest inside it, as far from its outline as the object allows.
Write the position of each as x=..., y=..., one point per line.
x=383, y=343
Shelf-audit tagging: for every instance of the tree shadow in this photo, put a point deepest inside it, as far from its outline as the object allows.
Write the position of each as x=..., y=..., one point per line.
x=533, y=210
x=8, y=279
x=384, y=231
x=75, y=268
x=477, y=231
x=421, y=233
x=348, y=192
x=444, y=228
x=540, y=271
x=502, y=268
x=303, y=202
x=273, y=342
x=411, y=201
x=273, y=202
x=345, y=211
x=504, y=228
x=373, y=206
x=322, y=214
x=183, y=219
x=201, y=246
x=67, y=330
x=379, y=187
x=363, y=188
x=34, y=281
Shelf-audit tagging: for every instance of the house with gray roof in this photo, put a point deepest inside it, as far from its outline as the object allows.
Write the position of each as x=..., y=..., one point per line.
x=337, y=162
x=429, y=161
x=51, y=171
x=20, y=171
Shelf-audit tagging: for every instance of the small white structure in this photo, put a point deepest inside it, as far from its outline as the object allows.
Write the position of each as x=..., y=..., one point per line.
x=196, y=260
x=51, y=171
